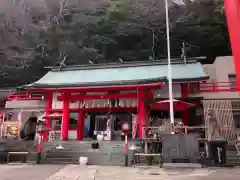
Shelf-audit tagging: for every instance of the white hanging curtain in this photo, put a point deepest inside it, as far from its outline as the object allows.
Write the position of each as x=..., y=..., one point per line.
x=19, y=119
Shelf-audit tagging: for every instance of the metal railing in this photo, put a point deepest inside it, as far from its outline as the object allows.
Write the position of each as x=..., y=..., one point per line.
x=166, y=129
x=212, y=86
x=24, y=95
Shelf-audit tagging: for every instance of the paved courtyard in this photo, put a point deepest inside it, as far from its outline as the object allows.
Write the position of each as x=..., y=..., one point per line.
x=75, y=172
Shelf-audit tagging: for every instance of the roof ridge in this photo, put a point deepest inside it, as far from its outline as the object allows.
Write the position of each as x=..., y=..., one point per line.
x=124, y=64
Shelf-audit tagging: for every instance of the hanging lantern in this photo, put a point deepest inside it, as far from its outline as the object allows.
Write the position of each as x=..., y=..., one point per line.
x=40, y=127
x=125, y=127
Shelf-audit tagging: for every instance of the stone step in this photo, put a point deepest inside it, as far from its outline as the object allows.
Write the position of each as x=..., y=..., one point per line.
x=110, y=153
x=59, y=162
x=76, y=155
x=233, y=160
x=233, y=156
x=232, y=149
x=74, y=143
x=98, y=161
x=94, y=159
x=68, y=159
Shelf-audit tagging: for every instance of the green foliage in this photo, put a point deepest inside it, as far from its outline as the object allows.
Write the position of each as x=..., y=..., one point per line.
x=103, y=31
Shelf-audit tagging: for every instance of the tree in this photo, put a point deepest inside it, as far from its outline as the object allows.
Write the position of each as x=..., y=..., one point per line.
x=40, y=33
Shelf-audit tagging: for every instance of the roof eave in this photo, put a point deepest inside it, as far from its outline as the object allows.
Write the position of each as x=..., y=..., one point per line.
x=203, y=78
x=113, y=83
x=164, y=79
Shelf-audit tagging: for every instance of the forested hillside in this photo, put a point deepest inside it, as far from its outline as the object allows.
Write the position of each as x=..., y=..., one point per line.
x=39, y=33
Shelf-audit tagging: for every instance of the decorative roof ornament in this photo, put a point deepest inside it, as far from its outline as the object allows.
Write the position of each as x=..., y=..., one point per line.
x=179, y=2
x=183, y=55
x=121, y=60
x=62, y=62
x=150, y=58
x=90, y=62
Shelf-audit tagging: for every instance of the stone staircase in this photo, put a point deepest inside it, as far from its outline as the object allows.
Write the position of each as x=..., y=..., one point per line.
x=232, y=157
x=109, y=153
x=11, y=145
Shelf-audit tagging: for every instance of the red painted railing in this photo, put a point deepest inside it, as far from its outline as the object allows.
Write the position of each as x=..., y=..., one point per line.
x=24, y=95
x=194, y=88
x=212, y=86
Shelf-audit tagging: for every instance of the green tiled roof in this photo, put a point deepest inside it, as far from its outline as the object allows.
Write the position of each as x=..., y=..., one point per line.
x=119, y=74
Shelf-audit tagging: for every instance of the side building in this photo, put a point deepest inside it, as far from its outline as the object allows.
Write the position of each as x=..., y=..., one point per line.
x=221, y=96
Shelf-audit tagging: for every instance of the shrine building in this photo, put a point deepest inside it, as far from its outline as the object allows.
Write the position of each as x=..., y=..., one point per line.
x=78, y=101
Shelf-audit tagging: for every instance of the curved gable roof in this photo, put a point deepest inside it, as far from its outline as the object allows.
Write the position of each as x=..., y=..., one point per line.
x=119, y=75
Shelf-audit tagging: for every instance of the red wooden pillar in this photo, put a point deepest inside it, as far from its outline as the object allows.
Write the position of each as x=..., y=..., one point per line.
x=80, y=125
x=65, y=118
x=184, y=93
x=48, y=107
x=142, y=113
x=232, y=8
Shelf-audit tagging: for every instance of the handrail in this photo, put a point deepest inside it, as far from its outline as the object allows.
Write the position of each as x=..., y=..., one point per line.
x=24, y=95
x=213, y=86
x=194, y=88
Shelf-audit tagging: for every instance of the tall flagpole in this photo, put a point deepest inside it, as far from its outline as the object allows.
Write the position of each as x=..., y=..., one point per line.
x=169, y=69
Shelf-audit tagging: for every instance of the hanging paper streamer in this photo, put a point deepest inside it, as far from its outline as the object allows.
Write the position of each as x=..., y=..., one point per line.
x=108, y=125
x=3, y=122
x=19, y=121
x=134, y=125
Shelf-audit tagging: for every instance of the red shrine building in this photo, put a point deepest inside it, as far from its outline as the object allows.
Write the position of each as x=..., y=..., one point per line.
x=78, y=101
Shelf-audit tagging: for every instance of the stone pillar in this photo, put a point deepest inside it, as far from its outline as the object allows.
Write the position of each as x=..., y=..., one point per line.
x=48, y=107
x=65, y=118
x=80, y=125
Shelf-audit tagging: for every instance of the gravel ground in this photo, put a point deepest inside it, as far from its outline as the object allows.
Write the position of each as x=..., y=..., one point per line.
x=76, y=172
